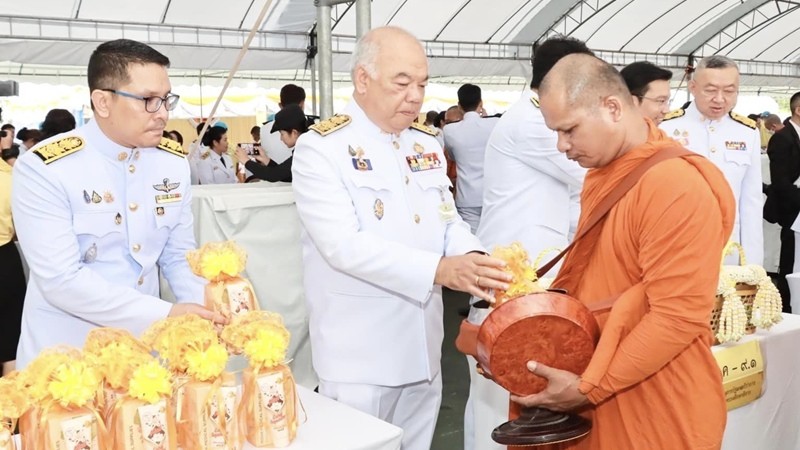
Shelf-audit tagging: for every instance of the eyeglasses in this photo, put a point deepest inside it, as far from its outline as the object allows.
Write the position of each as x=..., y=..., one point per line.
x=660, y=100
x=712, y=93
x=151, y=104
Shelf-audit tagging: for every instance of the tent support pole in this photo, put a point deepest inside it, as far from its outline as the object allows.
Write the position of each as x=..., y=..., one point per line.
x=363, y=17
x=325, y=59
x=314, y=98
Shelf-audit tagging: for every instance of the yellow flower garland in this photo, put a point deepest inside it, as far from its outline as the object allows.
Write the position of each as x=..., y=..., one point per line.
x=524, y=280
x=74, y=383
x=13, y=399
x=208, y=364
x=216, y=261
x=116, y=354
x=262, y=337
x=150, y=382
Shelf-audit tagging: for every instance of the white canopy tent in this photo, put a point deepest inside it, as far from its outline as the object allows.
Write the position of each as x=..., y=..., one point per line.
x=485, y=41
x=463, y=37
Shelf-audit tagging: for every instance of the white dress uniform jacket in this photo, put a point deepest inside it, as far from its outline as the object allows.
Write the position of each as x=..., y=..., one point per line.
x=530, y=194
x=466, y=142
x=530, y=189
x=96, y=226
x=372, y=240
x=211, y=170
x=732, y=143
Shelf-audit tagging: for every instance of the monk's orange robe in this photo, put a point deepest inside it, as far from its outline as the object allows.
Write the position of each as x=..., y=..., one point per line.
x=652, y=381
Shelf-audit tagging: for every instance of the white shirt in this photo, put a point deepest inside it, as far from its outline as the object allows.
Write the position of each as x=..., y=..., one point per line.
x=372, y=240
x=736, y=149
x=272, y=144
x=530, y=189
x=466, y=142
x=96, y=228
x=211, y=170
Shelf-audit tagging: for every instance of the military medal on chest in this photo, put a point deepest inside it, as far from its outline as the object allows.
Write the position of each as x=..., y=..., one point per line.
x=166, y=187
x=359, y=162
x=421, y=161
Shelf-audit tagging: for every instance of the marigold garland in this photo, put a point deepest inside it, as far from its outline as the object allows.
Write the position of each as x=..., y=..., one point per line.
x=524, y=280
x=217, y=261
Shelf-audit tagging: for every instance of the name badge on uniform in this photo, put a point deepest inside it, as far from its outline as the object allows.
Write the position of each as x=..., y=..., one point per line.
x=426, y=161
x=168, y=198
x=736, y=145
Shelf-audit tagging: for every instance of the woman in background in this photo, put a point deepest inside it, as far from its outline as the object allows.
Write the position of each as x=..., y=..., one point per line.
x=12, y=276
x=57, y=121
x=28, y=138
x=215, y=165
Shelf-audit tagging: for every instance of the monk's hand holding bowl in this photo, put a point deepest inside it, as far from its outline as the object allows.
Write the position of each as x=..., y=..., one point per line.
x=474, y=273
x=561, y=394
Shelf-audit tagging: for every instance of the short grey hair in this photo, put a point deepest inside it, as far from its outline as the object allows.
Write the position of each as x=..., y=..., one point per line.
x=365, y=55
x=717, y=62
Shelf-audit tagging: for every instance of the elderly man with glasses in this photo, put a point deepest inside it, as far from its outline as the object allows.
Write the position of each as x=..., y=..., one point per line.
x=102, y=209
x=709, y=126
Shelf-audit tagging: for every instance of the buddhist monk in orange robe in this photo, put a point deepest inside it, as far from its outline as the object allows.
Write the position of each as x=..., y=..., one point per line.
x=652, y=382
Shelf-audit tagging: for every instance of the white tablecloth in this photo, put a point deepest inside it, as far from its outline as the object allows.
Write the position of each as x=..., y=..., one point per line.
x=771, y=422
x=261, y=217
x=334, y=426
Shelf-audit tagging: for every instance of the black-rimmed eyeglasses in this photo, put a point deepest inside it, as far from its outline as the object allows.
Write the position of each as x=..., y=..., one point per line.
x=151, y=104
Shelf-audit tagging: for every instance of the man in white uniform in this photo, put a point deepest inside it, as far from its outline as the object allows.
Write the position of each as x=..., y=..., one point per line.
x=530, y=192
x=649, y=87
x=731, y=141
x=102, y=209
x=271, y=143
x=466, y=143
x=380, y=238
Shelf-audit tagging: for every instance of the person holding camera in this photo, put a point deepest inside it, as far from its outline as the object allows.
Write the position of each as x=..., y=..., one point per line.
x=291, y=123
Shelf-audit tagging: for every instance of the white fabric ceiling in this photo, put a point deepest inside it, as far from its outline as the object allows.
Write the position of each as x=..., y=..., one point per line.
x=463, y=37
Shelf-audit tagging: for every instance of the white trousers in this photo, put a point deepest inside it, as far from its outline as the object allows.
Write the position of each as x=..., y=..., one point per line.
x=471, y=215
x=413, y=407
x=487, y=405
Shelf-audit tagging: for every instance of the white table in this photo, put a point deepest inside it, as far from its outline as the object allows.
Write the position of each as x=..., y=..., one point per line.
x=771, y=422
x=334, y=426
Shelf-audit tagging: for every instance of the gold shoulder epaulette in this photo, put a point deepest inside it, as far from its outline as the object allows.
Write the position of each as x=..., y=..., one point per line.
x=674, y=114
x=746, y=121
x=168, y=145
x=535, y=101
x=59, y=149
x=331, y=124
x=423, y=128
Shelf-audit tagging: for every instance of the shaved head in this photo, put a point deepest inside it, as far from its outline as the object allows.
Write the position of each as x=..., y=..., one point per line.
x=586, y=101
x=585, y=80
